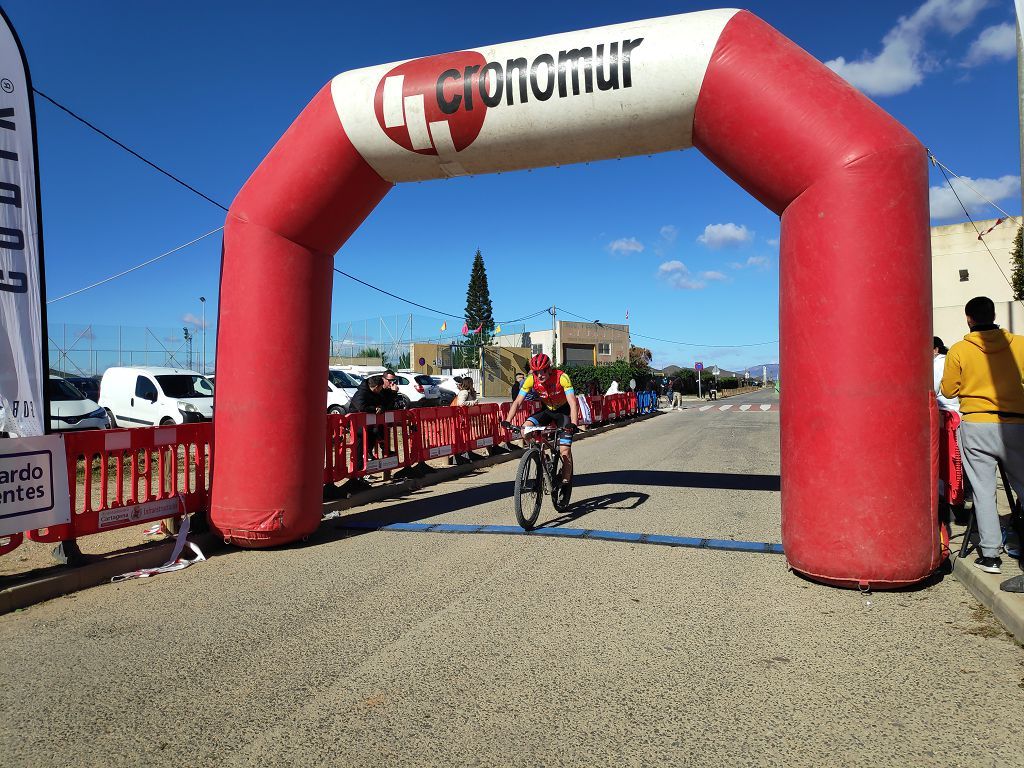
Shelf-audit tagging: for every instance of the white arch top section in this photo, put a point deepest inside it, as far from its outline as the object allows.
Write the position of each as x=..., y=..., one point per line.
x=614, y=91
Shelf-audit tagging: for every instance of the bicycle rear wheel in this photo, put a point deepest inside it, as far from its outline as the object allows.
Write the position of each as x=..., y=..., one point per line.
x=560, y=494
x=529, y=489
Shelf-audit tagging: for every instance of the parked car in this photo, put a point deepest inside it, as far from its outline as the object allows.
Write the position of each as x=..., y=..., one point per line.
x=444, y=396
x=142, y=397
x=447, y=383
x=71, y=410
x=87, y=385
x=341, y=388
x=418, y=389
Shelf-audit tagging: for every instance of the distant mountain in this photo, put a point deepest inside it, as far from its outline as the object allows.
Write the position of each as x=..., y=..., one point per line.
x=773, y=370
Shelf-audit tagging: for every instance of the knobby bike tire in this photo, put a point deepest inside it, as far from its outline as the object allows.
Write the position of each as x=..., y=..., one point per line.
x=529, y=489
x=560, y=494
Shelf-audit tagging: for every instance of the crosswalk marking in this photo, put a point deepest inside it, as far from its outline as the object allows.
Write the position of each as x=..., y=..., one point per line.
x=744, y=408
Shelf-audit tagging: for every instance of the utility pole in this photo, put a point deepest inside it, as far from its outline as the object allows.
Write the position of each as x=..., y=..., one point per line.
x=1020, y=89
x=554, y=336
x=202, y=300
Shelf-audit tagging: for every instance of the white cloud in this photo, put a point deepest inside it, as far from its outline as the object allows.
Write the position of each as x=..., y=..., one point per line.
x=725, y=235
x=773, y=241
x=669, y=233
x=903, y=62
x=192, y=320
x=712, y=275
x=625, y=245
x=945, y=206
x=678, y=276
x=998, y=43
x=758, y=261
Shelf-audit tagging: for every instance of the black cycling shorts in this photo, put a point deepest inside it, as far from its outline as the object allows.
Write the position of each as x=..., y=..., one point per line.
x=560, y=417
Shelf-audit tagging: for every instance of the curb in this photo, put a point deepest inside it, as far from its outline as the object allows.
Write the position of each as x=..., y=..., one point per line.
x=103, y=569
x=94, y=573
x=1008, y=607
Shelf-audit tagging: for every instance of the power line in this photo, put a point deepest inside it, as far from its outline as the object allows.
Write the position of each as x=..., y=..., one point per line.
x=670, y=341
x=128, y=149
x=189, y=187
x=137, y=266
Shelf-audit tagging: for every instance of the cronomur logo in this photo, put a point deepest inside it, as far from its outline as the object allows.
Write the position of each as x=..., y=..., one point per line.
x=437, y=105
x=407, y=105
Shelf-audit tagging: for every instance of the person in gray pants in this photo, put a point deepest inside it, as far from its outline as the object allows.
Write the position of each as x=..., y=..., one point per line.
x=986, y=371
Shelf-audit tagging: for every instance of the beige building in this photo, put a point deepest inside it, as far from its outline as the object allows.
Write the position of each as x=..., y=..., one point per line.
x=963, y=268
x=580, y=343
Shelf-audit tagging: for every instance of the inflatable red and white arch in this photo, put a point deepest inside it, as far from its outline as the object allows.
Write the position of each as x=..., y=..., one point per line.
x=849, y=182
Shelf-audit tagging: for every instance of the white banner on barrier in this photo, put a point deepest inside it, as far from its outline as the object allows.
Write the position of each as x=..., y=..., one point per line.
x=33, y=484
x=22, y=338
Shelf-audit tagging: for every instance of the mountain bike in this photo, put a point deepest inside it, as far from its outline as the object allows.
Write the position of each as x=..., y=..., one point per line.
x=539, y=474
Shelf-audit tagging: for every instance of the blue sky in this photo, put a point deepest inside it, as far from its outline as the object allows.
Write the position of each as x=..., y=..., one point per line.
x=205, y=89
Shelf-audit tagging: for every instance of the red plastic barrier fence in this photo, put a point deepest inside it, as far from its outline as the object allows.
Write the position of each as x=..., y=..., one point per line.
x=437, y=434
x=122, y=477
x=951, y=469
x=365, y=443
x=526, y=409
x=133, y=475
x=478, y=426
x=11, y=542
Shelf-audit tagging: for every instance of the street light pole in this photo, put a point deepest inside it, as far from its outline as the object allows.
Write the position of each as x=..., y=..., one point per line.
x=202, y=300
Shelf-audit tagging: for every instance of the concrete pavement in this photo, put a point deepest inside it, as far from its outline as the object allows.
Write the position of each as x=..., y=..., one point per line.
x=436, y=649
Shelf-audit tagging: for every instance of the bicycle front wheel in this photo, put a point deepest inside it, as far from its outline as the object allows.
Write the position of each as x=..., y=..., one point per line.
x=529, y=489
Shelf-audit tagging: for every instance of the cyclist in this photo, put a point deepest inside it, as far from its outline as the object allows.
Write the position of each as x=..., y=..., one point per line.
x=554, y=389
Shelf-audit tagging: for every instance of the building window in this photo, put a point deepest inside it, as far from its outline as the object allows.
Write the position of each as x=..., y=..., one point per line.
x=604, y=349
x=964, y=276
x=536, y=349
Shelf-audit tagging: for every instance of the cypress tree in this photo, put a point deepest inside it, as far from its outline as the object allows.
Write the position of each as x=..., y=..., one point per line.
x=1017, y=263
x=478, y=302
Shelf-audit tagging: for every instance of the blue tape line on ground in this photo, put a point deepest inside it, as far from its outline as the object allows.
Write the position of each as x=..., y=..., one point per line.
x=630, y=537
x=614, y=535
x=509, y=530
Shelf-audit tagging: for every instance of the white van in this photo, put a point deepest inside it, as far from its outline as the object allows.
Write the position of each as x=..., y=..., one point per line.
x=144, y=397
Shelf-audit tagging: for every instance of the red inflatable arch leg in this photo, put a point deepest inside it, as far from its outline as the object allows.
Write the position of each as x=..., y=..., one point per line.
x=848, y=181
x=851, y=186
x=302, y=203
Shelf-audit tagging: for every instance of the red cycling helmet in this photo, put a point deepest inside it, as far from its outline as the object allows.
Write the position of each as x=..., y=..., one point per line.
x=540, y=362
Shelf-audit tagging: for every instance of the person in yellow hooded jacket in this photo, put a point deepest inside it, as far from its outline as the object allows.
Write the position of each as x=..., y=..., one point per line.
x=986, y=371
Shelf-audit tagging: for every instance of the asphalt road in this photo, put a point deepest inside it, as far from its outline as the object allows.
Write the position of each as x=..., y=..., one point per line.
x=392, y=649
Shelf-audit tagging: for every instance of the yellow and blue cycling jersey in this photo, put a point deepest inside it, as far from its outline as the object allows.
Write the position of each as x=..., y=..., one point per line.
x=552, y=393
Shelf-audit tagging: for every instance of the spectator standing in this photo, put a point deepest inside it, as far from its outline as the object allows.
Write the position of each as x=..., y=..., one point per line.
x=677, y=395
x=939, y=352
x=517, y=384
x=986, y=371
